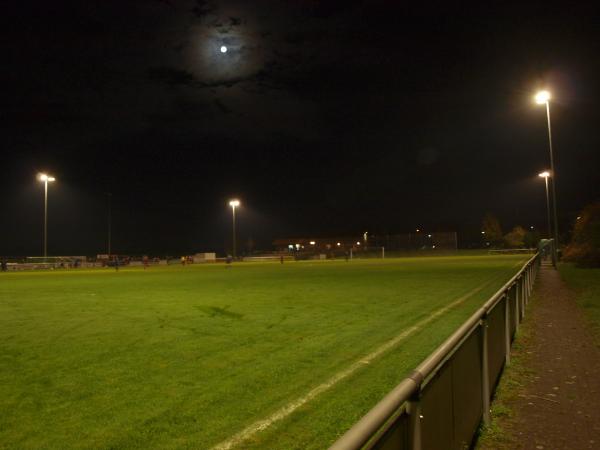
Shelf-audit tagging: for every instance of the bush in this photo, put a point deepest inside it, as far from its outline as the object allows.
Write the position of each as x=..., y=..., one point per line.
x=584, y=249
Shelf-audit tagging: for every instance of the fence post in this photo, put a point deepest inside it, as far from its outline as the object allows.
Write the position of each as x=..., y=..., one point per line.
x=506, y=329
x=485, y=377
x=414, y=417
x=513, y=294
x=519, y=296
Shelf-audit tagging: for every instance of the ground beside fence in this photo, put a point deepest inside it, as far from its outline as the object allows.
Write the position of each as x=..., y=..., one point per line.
x=550, y=395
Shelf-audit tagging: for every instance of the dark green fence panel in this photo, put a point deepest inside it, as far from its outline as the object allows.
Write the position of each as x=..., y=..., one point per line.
x=496, y=342
x=396, y=436
x=437, y=411
x=467, y=394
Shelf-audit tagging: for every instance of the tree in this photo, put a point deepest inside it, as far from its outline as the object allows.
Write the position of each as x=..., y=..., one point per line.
x=584, y=248
x=516, y=238
x=491, y=230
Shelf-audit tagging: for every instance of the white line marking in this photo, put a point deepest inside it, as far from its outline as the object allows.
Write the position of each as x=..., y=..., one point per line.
x=282, y=413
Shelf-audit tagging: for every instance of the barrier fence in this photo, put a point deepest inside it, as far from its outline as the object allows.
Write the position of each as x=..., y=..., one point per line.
x=442, y=402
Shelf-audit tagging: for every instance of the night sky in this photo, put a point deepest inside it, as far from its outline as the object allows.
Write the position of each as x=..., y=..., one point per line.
x=323, y=117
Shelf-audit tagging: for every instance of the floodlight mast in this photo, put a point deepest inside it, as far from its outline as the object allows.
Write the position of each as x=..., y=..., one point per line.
x=545, y=176
x=541, y=98
x=45, y=178
x=234, y=204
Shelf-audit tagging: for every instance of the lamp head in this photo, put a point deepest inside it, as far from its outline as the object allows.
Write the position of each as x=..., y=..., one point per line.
x=544, y=174
x=542, y=97
x=233, y=203
x=45, y=177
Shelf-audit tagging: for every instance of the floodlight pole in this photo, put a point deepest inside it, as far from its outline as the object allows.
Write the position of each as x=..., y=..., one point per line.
x=109, y=221
x=548, y=208
x=553, y=172
x=45, y=219
x=233, y=226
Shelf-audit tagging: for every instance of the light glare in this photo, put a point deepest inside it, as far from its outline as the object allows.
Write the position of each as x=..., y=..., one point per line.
x=223, y=49
x=542, y=97
x=544, y=174
x=233, y=203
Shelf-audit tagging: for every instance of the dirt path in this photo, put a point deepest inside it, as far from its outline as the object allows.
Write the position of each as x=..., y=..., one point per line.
x=559, y=404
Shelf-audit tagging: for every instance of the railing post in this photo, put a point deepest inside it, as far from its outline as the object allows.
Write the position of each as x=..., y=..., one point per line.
x=506, y=329
x=513, y=294
x=485, y=376
x=414, y=417
x=519, y=296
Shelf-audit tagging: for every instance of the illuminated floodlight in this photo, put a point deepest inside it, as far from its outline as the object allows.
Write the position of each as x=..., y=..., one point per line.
x=544, y=174
x=357, y=243
x=45, y=177
x=234, y=203
x=428, y=235
x=223, y=49
x=312, y=242
x=483, y=232
x=418, y=229
x=338, y=244
x=542, y=97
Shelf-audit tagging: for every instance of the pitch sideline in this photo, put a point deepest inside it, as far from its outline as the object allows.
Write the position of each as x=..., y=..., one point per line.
x=288, y=409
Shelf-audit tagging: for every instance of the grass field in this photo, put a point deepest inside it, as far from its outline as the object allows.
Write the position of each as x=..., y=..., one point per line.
x=187, y=357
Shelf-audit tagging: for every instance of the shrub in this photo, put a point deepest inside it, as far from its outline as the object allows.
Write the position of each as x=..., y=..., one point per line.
x=584, y=248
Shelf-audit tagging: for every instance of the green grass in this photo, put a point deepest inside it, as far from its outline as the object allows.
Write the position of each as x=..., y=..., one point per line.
x=586, y=283
x=185, y=357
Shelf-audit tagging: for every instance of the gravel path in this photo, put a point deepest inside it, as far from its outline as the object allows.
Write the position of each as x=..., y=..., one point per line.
x=559, y=407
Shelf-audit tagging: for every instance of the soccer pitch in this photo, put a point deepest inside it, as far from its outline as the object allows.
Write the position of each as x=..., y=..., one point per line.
x=259, y=355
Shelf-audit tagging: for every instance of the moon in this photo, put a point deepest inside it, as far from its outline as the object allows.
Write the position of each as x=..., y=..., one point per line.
x=223, y=49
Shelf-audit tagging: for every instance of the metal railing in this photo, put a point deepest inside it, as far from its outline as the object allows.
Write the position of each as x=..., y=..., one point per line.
x=442, y=402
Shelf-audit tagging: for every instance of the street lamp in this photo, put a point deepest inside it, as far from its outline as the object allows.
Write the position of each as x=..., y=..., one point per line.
x=541, y=98
x=545, y=176
x=45, y=178
x=234, y=204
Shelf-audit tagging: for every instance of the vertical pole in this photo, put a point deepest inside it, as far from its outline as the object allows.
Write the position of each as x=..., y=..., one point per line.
x=485, y=377
x=45, y=219
x=519, y=298
x=383, y=252
x=507, y=329
x=555, y=253
x=513, y=296
x=524, y=287
x=233, y=215
x=109, y=222
x=548, y=209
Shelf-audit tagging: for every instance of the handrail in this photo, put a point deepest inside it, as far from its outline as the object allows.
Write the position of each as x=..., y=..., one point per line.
x=372, y=422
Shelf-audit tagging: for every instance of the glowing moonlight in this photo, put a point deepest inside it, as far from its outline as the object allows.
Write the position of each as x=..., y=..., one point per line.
x=223, y=49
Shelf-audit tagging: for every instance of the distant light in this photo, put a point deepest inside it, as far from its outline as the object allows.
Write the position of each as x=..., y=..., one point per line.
x=297, y=246
x=312, y=242
x=418, y=229
x=365, y=235
x=542, y=97
x=291, y=247
x=357, y=243
x=223, y=49
x=483, y=232
x=544, y=174
x=429, y=235
x=578, y=217
x=338, y=244
x=433, y=246
x=234, y=203
x=531, y=227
